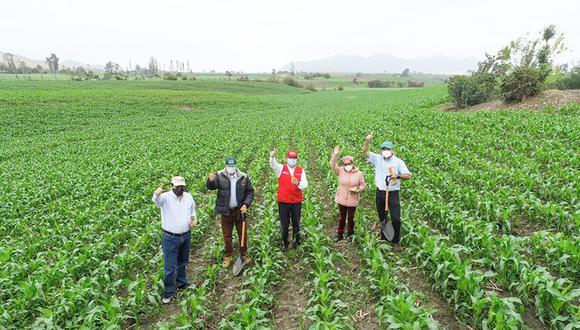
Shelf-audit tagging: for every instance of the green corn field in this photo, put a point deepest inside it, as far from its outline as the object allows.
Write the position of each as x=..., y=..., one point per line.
x=490, y=218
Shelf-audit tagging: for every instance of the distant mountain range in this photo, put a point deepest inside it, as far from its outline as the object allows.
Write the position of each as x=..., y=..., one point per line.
x=33, y=63
x=381, y=63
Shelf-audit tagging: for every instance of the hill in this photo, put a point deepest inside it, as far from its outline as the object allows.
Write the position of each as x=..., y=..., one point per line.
x=380, y=63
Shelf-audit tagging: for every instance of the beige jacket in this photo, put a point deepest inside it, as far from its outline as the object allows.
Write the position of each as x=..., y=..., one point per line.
x=347, y=181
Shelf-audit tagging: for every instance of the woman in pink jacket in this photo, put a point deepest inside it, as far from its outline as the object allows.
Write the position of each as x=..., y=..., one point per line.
x=351, y=183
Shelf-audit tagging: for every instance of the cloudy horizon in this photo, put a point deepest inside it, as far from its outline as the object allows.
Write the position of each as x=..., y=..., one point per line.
x=258, y=35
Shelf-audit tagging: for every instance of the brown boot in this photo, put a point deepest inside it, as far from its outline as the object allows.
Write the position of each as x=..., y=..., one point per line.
x=247, y=260
x=227, y=262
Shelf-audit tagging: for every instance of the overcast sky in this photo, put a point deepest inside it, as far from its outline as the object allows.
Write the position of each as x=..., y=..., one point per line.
x=258, y=35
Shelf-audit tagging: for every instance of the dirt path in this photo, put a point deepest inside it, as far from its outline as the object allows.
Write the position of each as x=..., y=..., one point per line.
x=292, y=295
x=415, y=280
x=355, y=291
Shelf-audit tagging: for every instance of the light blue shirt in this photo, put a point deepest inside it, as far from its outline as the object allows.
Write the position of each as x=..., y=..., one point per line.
x=382, y=170
x=176, y=212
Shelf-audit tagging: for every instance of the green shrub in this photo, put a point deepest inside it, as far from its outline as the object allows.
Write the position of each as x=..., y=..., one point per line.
x=291, y=82
x=169, y=76
x=412, y=83
x=311, y=87
x=521, y=83
x=571, y=80
x=471, y=90
x=340, y=88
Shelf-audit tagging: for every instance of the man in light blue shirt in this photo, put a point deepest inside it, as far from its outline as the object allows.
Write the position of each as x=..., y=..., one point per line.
x=388, y=167
x=177, y=219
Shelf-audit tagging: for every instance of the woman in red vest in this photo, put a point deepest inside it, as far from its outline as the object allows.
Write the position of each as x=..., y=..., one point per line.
x=291, y=182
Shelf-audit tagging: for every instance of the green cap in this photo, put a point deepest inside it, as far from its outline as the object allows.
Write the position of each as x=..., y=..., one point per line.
x=387, y=144
x=231, y=161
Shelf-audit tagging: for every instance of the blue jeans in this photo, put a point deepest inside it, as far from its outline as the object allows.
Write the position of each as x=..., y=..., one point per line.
x=175, y=258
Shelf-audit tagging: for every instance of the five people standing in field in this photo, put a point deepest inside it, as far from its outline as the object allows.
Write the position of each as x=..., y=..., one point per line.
x=235, y=195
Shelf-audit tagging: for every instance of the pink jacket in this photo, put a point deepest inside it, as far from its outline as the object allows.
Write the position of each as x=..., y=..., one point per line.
x=346, y=181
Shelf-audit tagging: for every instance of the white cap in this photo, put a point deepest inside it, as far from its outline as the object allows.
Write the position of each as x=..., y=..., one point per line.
x=178, y=181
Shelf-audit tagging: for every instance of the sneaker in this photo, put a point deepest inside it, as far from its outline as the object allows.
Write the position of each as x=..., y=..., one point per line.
x=338, y=238
x=184, y=286
x=349, y=235
x=284, y=247
x=227, y=262
x=166, y=300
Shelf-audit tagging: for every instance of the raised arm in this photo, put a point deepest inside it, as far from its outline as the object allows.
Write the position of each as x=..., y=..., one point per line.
x=157, y=197
x=333, y=159
x=274, y=164
x=365, y=148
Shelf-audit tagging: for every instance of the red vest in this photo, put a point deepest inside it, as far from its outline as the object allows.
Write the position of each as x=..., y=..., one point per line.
x=287, y=191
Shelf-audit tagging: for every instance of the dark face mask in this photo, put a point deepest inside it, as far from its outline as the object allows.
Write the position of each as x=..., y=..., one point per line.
x=178, y=191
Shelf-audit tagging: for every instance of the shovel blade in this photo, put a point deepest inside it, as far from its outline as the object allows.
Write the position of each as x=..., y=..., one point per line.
x=238, y=266
x=388, y=230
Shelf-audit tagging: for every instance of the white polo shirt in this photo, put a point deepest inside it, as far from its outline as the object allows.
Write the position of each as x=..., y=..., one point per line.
x=176, y=212
x=382, y=170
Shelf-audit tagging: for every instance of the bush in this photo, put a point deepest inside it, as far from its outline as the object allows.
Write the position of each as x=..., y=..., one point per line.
x=471, y=90
x=412, y=83
x=377, y=84
x=291, y=82
x=184, y=78
x=571, y=80
x=521, y=83
x=340, y=88
x=311, y=87
x=169, y=76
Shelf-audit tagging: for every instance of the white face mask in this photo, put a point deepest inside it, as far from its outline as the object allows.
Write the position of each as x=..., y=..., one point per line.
x=291, y=162
x=231, y=170
x=387, y=153
x=348, y=168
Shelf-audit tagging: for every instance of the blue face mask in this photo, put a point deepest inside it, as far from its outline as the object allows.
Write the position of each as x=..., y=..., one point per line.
x=291, y=162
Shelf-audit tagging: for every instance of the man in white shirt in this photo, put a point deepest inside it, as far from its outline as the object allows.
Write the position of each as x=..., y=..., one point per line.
x=291, y=181
x=177, y=219
x=388, y=166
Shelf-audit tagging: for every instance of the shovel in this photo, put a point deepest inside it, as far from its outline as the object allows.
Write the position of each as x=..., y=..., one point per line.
x=239, y=264
x=387, y=226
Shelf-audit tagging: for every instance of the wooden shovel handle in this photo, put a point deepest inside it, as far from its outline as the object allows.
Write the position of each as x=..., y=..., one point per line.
x=243, y=243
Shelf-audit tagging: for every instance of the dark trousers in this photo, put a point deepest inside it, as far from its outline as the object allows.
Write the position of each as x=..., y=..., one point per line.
x=175, y=258
x=228, y=222
x=345, y=213
x=394, y=210
x=290, y=212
